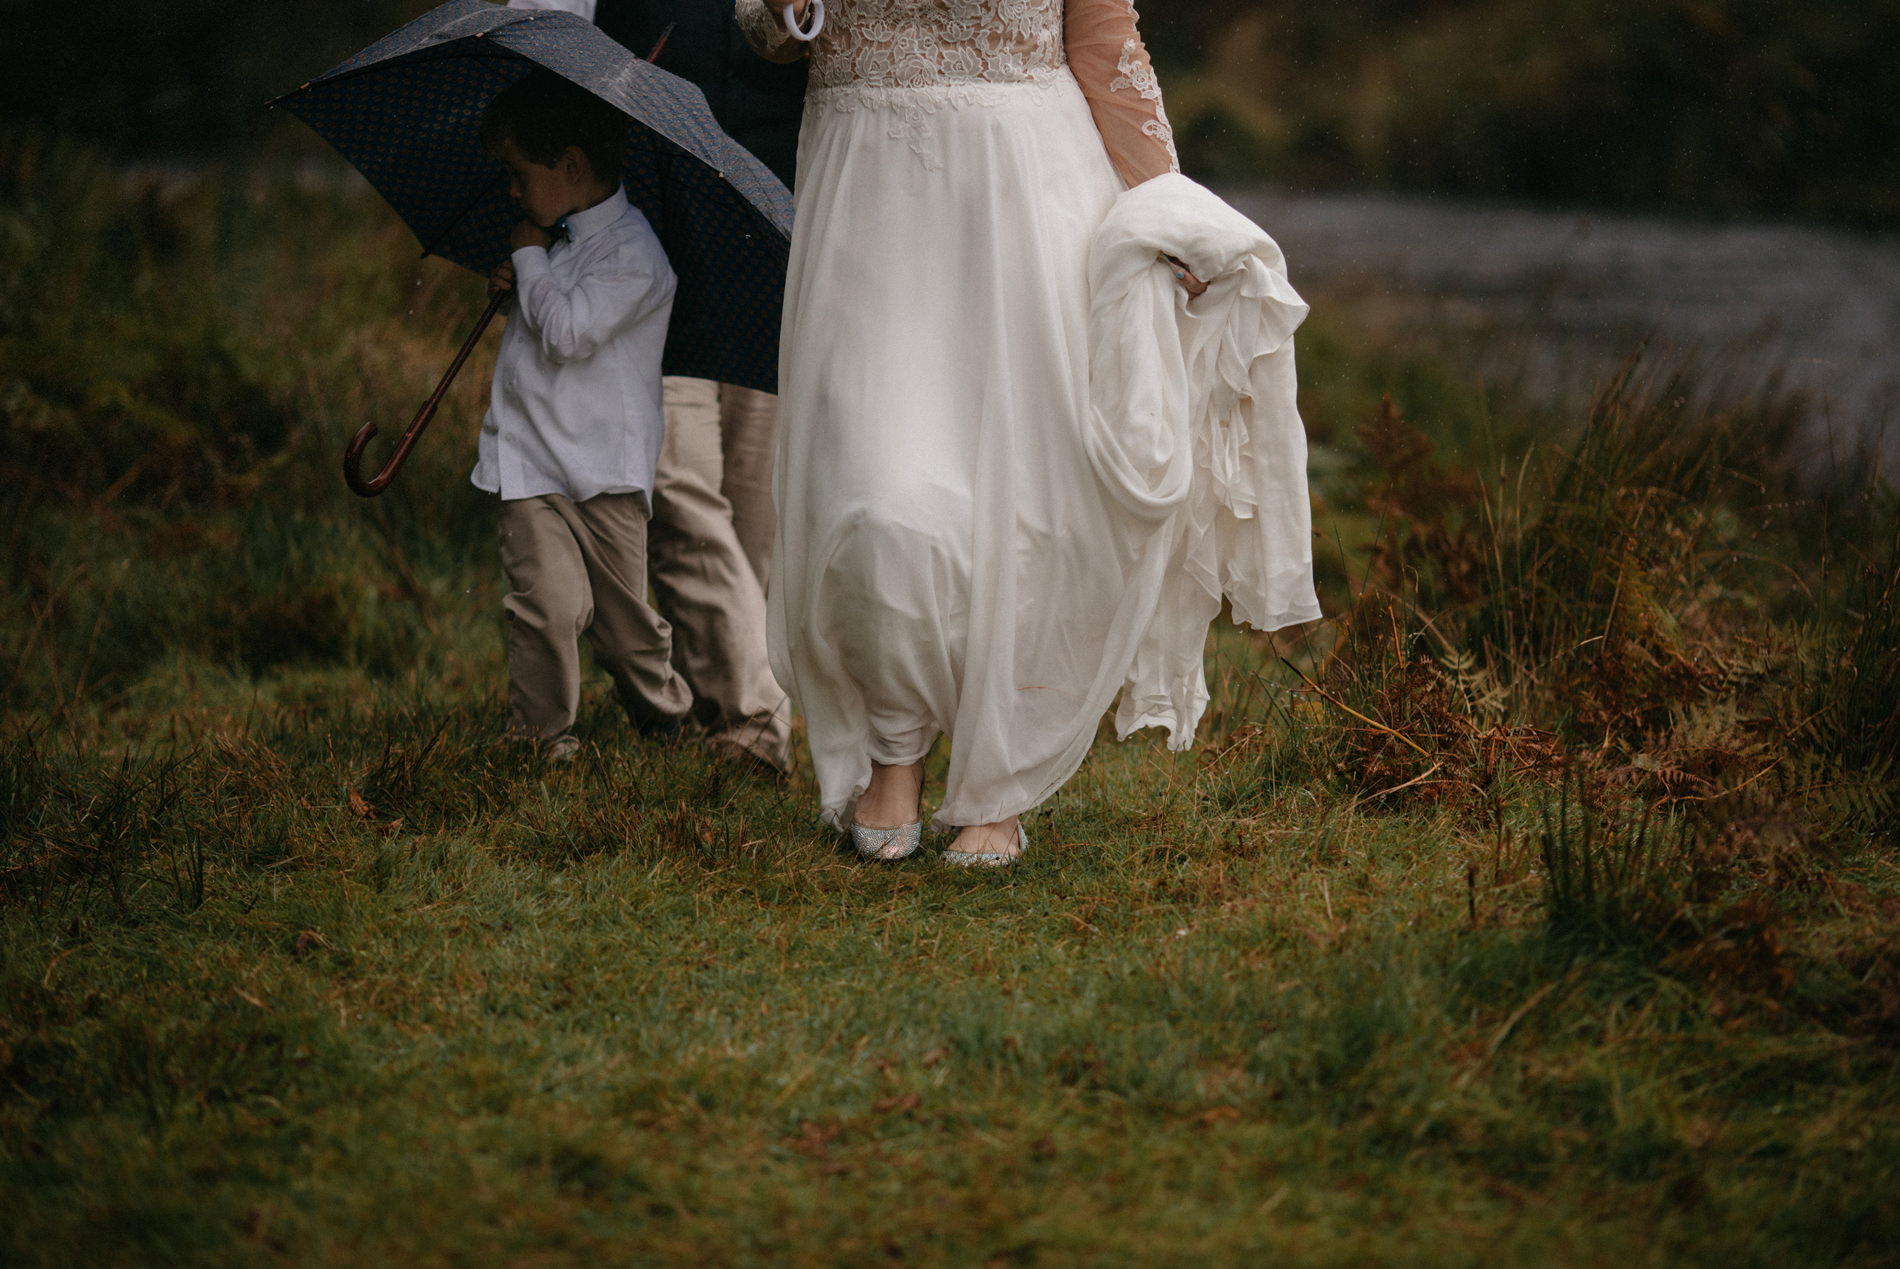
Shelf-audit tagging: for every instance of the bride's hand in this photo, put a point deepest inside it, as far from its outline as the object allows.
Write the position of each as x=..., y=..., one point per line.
x=1185, y=276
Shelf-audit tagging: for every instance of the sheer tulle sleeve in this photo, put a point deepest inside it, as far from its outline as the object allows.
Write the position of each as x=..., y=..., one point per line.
x=1108, y=59
x=766, y=33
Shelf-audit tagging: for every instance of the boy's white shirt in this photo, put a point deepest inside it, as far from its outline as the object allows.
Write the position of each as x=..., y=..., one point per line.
x=575, y=404
x=583, y=7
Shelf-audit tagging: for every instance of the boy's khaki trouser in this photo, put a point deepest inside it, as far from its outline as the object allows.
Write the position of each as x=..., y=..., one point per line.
x=711, y=549
x=580, y=568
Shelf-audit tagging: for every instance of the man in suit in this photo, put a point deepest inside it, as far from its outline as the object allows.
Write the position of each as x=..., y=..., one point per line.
x=757, y=102
x=709, y=546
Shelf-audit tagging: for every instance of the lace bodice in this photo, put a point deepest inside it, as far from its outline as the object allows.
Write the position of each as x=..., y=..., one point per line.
x=877, y=48
x=909, y=43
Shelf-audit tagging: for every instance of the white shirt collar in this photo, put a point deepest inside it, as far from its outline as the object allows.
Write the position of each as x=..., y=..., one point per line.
x=582, y=225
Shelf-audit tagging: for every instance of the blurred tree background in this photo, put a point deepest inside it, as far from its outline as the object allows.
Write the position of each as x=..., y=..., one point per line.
x=1783, y=107
x=177, y=79
x=1780, y=107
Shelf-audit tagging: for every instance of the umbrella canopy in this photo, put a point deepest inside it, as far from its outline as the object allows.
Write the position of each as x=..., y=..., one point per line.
x=407, y=112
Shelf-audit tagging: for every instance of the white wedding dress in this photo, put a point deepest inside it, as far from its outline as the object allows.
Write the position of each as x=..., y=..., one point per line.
x=950, y=559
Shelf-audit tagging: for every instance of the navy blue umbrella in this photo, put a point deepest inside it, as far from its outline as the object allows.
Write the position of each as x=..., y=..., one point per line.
x=407, y=112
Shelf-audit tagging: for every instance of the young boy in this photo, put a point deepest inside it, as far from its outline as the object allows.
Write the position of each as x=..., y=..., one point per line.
x=574, y=422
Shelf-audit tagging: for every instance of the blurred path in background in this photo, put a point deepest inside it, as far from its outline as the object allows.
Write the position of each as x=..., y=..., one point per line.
x=1551, y=302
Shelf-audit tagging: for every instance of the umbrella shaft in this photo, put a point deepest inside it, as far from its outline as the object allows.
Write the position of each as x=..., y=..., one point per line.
x=353, y=456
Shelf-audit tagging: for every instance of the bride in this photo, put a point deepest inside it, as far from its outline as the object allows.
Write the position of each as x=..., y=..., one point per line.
x=949, y=561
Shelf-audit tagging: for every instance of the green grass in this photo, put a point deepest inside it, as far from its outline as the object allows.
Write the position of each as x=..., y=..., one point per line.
x=645, y=1010
x=1539, y=908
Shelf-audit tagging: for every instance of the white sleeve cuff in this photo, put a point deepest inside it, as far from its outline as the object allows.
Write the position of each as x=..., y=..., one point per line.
x=530, y=262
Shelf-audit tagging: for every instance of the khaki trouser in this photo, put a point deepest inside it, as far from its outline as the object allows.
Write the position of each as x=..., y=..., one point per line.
x=580, y=568
x=711, y=549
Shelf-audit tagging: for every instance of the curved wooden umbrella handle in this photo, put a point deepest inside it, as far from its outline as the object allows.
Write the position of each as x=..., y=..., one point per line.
x=353, y=456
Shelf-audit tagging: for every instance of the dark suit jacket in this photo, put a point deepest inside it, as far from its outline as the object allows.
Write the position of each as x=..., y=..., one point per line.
x=757, y=102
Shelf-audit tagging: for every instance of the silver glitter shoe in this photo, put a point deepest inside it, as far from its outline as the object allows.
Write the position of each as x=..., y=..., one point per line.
x=988, y=859
x=887, y=844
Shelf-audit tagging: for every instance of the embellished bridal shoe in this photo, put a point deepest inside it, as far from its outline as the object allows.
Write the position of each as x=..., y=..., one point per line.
x=887, y=844
x=988, y=859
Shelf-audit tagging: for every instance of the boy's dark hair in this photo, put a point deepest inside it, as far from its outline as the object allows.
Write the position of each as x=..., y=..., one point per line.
x=542, y=114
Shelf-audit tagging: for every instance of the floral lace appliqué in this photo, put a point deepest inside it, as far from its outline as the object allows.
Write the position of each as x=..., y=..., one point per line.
x=923, y=43
x=761, y=28
x=916, y=57
x=1140, y=76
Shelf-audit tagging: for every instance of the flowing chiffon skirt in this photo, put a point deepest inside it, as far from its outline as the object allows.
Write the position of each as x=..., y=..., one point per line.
x=947, y=560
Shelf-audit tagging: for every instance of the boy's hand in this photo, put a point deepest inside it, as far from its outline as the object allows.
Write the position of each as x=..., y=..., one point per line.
x=529, y=234
x=502, y=279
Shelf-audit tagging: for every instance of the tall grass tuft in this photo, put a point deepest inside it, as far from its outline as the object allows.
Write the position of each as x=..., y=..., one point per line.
x=1851, y=720
x=1613, y=878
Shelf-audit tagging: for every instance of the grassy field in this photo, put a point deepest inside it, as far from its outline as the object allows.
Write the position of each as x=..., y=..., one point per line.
x=1538, y=908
